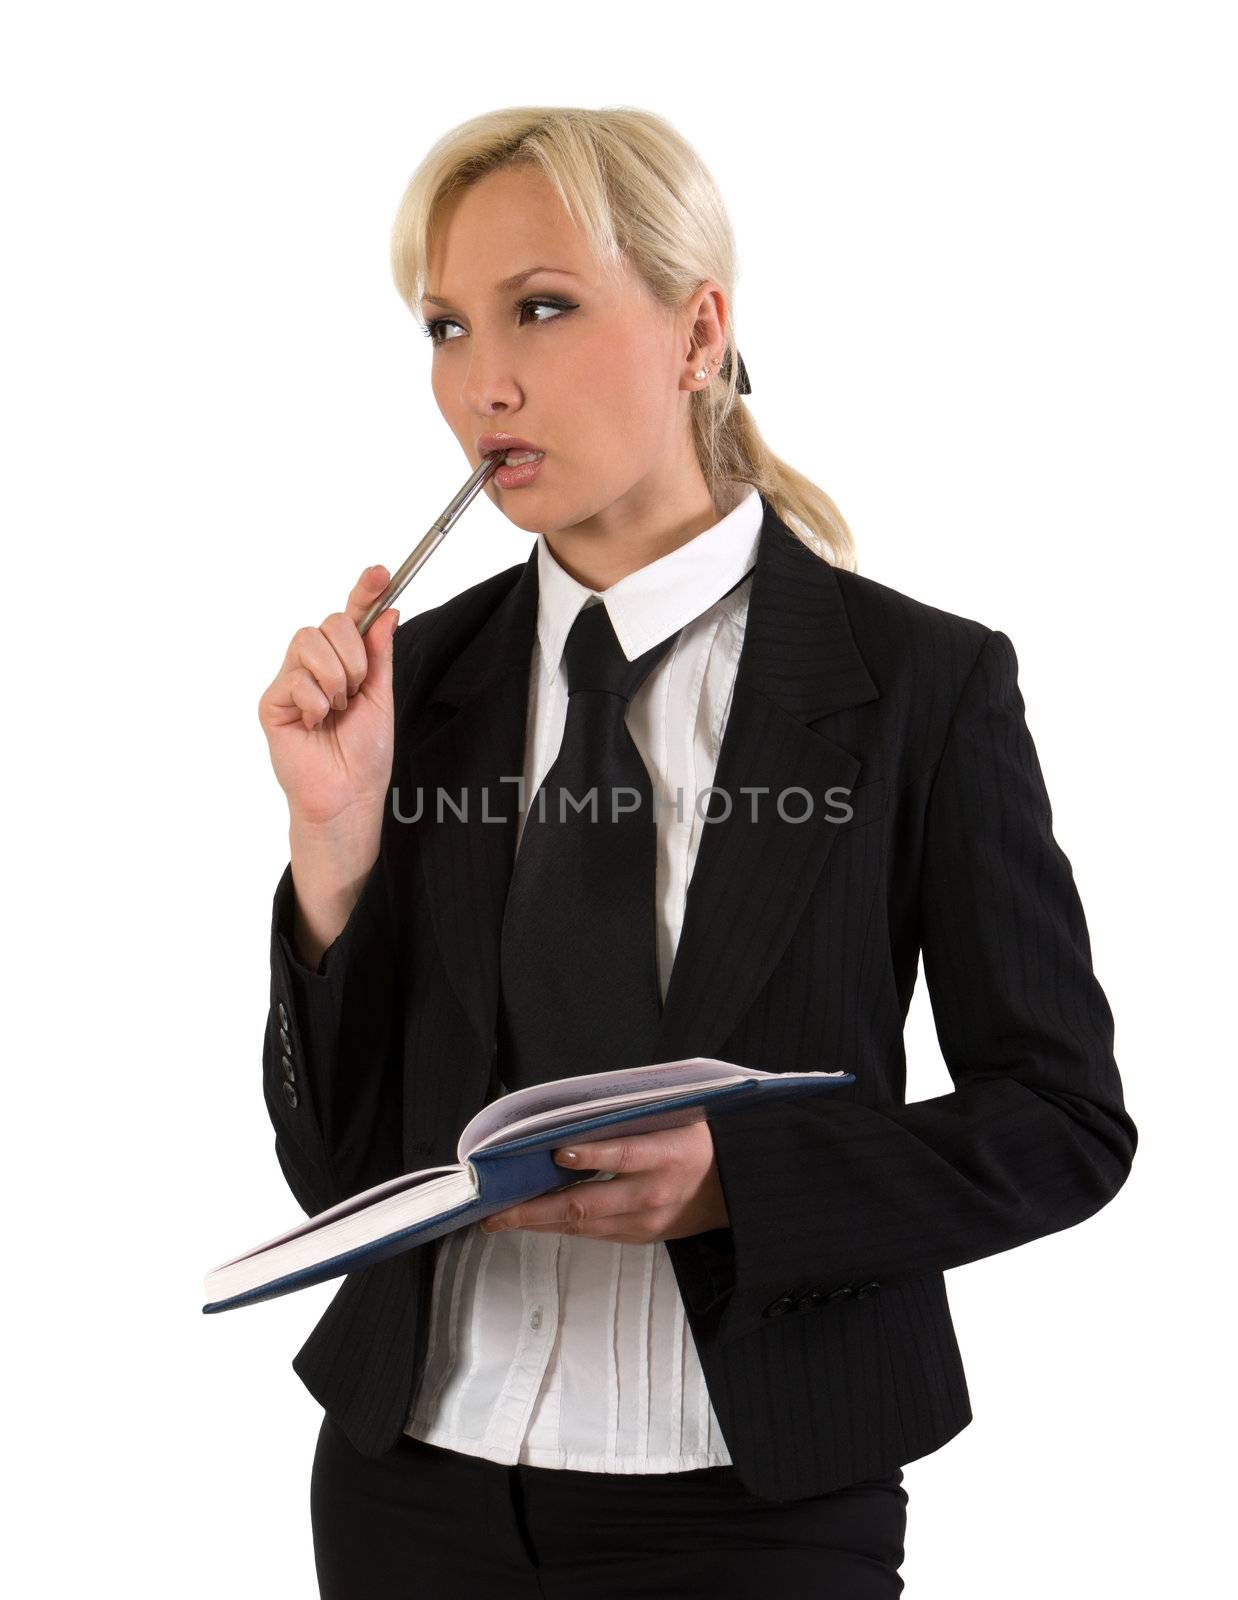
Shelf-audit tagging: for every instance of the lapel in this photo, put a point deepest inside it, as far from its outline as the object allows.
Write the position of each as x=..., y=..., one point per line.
x=753, y=872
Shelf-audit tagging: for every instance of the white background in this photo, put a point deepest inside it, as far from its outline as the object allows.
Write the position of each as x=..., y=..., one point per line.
x=986, y=300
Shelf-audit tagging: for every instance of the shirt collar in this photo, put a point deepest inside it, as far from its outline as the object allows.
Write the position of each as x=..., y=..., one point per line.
x=657, y=599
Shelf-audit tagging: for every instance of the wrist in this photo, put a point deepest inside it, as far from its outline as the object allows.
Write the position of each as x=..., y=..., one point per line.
x=344, y=846
x=330, y=866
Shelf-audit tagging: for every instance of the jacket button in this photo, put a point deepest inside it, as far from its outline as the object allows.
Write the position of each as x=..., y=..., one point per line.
x=867, y=1289
x=287, y=1066
x=285, y=1043
x=843, y=1292
x=779, y=1307
x=290, y=1094
x=283, y=1015
x=811, y=1298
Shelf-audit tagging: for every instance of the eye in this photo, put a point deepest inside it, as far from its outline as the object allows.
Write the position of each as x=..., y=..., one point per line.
x=432, y=329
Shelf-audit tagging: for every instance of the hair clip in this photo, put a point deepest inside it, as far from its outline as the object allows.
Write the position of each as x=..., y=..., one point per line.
x=742, y=385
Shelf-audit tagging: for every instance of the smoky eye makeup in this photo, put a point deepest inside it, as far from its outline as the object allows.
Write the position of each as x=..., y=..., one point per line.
x=432, y=326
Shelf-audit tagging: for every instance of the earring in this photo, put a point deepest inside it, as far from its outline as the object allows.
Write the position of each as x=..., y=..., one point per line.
x=743, y=384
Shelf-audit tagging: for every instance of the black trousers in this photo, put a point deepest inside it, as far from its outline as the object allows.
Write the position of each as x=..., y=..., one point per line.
x=422, y=1522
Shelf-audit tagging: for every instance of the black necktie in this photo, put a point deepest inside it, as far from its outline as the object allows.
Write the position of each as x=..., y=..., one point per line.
x=579, y=944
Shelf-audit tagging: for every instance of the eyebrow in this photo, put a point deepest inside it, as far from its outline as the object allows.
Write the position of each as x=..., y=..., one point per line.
x=513, y=282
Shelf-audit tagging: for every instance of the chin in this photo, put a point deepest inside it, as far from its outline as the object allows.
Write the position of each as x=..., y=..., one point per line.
x=519, y=516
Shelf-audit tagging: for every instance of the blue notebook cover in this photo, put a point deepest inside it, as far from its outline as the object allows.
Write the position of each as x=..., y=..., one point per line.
x=505, y=1174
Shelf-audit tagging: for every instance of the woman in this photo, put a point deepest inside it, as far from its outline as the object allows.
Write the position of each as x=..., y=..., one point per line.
x=705, y=1374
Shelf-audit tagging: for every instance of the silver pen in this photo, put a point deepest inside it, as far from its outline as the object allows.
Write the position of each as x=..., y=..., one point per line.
x=438, y=530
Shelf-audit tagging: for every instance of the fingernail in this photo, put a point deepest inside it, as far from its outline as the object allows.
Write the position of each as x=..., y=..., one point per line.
x=566, y=1156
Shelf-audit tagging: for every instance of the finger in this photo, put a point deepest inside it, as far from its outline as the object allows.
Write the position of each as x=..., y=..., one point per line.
x=614, y=1155
x=305, y=694
x=634, y=1231
x=312, y=650
x=345, y=639
x=379, y=645
x=365, y=591
x=635, y=1227
x=557, y=1211
x=534, y=1216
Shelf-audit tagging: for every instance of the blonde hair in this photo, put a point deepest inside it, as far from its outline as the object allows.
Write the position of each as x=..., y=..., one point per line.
x=639, y=192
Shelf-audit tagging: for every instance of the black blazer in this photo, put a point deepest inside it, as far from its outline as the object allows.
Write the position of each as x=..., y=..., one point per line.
x=820, y=1314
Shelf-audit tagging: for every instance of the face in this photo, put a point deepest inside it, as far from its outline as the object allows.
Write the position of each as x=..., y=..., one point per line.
x=591, y=370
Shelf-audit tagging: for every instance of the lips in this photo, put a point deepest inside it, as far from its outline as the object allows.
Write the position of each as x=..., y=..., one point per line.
x=489, y=442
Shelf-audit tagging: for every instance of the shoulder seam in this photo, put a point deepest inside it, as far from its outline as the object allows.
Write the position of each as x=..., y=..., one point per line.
x=935, y=764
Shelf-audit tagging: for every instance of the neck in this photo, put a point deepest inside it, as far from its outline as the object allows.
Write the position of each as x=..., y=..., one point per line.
x=642, y=526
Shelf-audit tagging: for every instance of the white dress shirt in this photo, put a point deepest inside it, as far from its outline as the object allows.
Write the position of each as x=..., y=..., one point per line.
x=555, y=1349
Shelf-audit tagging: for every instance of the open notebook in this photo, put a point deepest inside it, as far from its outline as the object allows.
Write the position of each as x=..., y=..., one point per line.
x=506, y=1155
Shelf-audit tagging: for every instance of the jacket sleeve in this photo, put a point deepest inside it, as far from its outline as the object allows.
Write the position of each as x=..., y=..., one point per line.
x=1035, y=1137
x=332, y=1058
x=332, y=1052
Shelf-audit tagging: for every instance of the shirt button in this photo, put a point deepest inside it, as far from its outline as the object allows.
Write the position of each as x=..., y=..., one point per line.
x=535, y=1317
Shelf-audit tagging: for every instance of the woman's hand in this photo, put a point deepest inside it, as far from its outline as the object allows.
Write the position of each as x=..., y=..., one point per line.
x=666, y=1186
x=328, y=715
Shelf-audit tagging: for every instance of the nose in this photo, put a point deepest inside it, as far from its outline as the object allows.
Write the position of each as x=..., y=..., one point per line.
x=490, y=388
